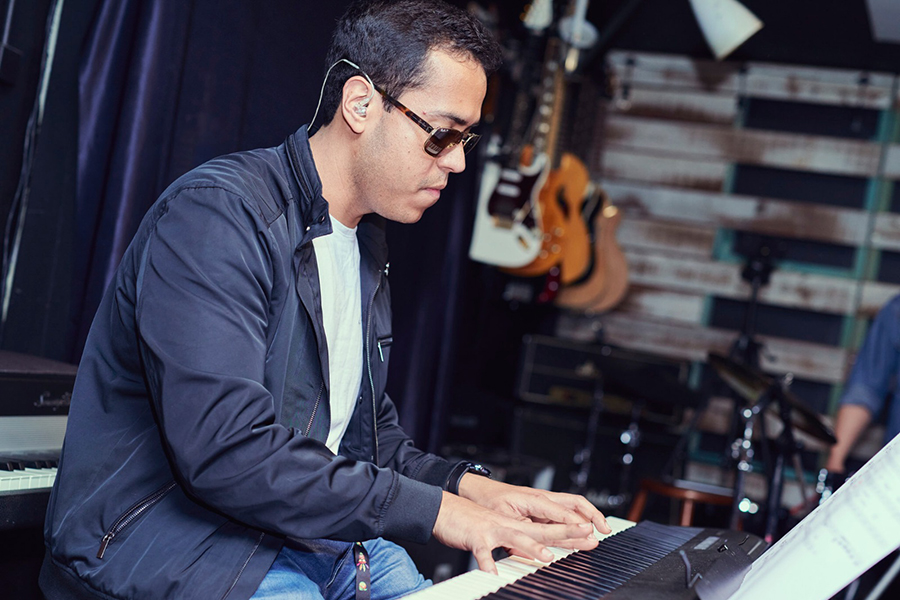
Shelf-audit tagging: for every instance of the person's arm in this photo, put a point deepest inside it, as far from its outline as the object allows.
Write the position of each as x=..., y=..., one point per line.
x=851, y=421
x=869, y=383
x=398, y=452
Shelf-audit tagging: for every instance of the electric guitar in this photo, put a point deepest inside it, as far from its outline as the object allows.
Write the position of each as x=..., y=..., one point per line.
x=566, y=243
x=508, y=230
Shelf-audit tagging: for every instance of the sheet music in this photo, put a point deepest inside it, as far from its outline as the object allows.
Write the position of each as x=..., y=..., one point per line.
x=842, y=538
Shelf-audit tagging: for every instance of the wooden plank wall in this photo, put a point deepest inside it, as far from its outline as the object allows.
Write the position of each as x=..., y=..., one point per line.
x=671, y=145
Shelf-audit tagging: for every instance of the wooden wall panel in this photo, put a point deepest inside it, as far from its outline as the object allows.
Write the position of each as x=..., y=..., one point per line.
x=666, y=155
x=627, y=165
x=755, y=80
x=765, y=148
x=676, y=105
x=685, y=341
x=761, y=215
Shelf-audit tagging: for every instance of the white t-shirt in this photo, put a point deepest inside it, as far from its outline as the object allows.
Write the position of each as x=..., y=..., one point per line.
x=337, y=256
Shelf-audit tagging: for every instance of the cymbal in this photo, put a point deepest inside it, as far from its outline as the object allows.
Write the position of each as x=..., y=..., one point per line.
x=751, y=384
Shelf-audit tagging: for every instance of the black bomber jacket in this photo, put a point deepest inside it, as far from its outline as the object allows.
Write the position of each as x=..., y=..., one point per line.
x=195, y=437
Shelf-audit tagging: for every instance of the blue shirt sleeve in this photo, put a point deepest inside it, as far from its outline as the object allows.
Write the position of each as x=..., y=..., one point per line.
x=874, y=373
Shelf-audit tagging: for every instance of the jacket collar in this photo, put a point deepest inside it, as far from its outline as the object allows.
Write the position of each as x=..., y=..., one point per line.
x=313, y=208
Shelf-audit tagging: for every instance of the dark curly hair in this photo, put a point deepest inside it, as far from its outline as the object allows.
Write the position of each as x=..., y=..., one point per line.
x=389, y=40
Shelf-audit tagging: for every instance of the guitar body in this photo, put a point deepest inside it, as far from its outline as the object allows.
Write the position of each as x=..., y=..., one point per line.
x=566, y=241
x=607, y=282
x=552, y=221
x=506, y=233
x=573, y=185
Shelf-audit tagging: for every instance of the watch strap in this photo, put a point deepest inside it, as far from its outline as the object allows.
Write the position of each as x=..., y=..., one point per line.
x=461, y=469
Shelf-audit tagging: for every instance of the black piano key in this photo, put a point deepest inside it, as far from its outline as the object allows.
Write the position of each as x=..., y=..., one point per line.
x=510, y=592
x=8, y=463
x=567, y=572
x=560, y=577
x=28, y=460
x=612, y=570
x=604, y=579
x=605, y=572
x=635, y=553
x=551, y=588
x=620, y=560
x=638, y=546
x=592, y=564
x=542, y=589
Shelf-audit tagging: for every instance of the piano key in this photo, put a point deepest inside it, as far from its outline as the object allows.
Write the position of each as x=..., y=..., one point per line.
x=595, y=571
x=27, y=479
x=631, y=565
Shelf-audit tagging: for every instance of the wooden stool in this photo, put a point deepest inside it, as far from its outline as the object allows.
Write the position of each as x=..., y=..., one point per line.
x=688, y=492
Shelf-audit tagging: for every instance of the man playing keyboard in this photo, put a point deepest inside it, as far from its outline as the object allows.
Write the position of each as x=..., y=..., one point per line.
x=229, y=434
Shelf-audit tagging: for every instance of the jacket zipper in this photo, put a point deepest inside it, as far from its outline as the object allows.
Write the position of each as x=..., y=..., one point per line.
x=369, y=359
x=383, y=343
x=244, y=566
x=131, y=514
x=315, y=408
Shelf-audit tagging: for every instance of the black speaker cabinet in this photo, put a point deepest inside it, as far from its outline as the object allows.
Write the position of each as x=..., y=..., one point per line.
x=634, y=401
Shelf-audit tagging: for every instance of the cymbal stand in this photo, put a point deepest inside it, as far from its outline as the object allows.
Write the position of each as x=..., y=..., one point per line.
x=756, y=272
x=746, y=349
x=583, y=457
x=742, y=451
x=631, y=439
x=787, y=449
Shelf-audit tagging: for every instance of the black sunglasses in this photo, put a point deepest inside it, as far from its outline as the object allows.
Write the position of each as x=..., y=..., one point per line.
x=441, y=138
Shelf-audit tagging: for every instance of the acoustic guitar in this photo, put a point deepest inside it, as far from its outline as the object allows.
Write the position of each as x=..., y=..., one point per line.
x=607, y=282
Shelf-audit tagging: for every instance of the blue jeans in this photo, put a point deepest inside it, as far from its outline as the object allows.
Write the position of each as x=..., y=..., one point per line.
x=324, y=570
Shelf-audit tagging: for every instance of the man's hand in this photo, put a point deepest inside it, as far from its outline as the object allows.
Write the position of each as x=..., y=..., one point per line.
x=539, y=506
x=465, y=525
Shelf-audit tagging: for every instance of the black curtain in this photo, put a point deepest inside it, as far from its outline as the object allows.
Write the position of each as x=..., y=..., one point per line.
x=166, y=85
x=144, y=90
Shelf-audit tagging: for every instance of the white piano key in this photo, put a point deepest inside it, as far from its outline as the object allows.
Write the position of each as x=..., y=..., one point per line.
x=27, y=479
x=38, y=478
x=12, y=481
x=475, y=584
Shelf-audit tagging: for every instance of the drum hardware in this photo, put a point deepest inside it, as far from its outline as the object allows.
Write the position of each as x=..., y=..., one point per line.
x=760, y=393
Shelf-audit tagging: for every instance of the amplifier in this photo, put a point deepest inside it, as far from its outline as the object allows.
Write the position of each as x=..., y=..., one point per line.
x=563, y=372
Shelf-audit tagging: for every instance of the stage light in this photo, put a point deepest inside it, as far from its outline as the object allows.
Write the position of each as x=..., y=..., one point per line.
x=726, y=24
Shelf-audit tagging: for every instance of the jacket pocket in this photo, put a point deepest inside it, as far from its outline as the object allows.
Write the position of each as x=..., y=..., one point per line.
x=132, y=514
x=383, y=344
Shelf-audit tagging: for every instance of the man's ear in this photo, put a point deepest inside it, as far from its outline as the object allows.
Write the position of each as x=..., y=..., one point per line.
x=356, y=102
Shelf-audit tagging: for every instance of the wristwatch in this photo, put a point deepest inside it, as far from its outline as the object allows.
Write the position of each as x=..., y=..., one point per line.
x=461, y=469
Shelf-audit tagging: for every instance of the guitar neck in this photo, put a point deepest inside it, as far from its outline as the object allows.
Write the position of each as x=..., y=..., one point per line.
x=548, y=112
